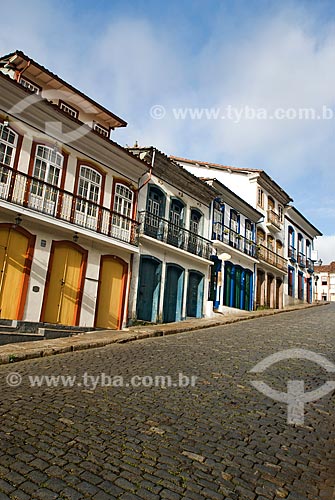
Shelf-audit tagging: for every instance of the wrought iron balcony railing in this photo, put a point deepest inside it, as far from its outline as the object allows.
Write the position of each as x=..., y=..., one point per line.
x=301, y=259
x=292, y=253
x=274, y=219
x=310, y=265
x=172, y=234
x=30, y=192
x=271, y=257
x=234, y=239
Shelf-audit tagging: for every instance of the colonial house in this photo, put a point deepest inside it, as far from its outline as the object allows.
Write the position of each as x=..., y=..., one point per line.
x=260, y=191
x=234, y=224
x=299, y=241
x=68, y=195
x=172, y=269
x=324, y=282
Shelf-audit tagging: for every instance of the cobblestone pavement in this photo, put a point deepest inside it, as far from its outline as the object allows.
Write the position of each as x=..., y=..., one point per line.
x=220, y=439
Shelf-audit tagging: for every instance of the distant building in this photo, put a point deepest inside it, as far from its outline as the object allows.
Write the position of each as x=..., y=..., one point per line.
x=299, y=242
x=274, y=276
x=325, y=282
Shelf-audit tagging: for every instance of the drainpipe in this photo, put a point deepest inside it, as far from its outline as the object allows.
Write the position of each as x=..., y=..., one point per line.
x=150, y=170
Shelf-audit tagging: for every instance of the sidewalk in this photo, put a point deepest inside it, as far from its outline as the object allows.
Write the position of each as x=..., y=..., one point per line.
x=27, y=350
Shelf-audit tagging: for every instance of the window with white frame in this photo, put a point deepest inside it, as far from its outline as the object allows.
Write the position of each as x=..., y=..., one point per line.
x=218, y=220
x=248, y=230
x=68, y=109
x=249, y=237
x=88, y=197
x=234, y=221
x=123, y=211
x=29, y=85
x=8, y=142
x=89, y=189
x=48, y=164
x=101, y=130
x=280, y=213
x=195, y=221
x=234, y=237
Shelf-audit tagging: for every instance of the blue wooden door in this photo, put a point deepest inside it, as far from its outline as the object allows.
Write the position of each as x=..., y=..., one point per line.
x=194, y=295
x=248, y=291
x=228, y=274
x=148, y=289
x=173, y=294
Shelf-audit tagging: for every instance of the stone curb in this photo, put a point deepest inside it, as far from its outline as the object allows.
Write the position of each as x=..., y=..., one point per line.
x=21, y=351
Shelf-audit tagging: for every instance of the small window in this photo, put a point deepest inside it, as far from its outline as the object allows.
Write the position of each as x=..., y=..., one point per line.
x=8, y=142
x=123, y=200
x=280, y=213
x=324, y=281
x=195, y=221
x=68, y=109
x=29, y=85
x=260, y=198
x=101, y=130
x=271, y=204
x=248, y=230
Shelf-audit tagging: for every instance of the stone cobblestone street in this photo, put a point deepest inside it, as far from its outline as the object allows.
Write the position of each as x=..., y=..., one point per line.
x=220, y=439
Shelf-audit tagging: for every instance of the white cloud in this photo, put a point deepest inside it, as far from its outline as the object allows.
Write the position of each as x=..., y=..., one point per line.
x=282, y=59
x=326, y=248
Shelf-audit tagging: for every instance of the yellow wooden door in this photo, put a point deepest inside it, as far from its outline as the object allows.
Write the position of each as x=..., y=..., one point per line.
x=64, y=285
x=111, y=291
x=13, y=254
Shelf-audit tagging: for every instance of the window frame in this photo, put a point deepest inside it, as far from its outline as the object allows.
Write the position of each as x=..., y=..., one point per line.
x=30, y=85
x=260, y=197
x=7, y=144
x=71, y=111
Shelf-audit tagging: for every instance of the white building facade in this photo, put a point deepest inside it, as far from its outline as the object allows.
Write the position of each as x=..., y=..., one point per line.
x=234, y=222
x=299, y=250
x=263, y=194
x=324, y=282
x=171, y=272
x=68, y=225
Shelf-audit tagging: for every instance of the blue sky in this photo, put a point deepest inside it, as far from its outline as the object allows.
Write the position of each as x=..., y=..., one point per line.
x=256, y=54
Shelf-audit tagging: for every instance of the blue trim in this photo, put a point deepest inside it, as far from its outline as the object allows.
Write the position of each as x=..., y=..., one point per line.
x=291, y=236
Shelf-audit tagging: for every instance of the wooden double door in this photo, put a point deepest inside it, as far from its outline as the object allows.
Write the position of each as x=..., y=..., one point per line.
x=16, y=251
x=65, y=285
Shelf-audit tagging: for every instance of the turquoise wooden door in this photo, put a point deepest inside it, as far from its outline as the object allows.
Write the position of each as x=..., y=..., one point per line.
x=195, y=294
x=148, y=289
x=238, y=287
x=227, y=284
x=248, y=291
x=173, y=293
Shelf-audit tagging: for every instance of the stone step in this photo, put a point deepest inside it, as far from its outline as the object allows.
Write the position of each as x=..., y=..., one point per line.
x=14, y=337
x=7, y=328
x=55, y=333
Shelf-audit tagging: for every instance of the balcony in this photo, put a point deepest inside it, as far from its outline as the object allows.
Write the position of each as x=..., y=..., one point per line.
x=233, y=239
x=270, y=257
x=174, y=235
x=301, y=259
x=28, y=192
x=310, y=265
x=273, y=220
x=292, y=254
